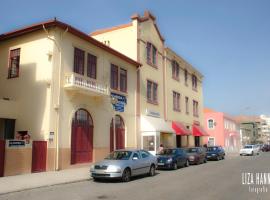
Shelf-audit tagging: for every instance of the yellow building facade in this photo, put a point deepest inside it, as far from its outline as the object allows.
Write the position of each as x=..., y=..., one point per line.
x=170, y=97
x=58, y=107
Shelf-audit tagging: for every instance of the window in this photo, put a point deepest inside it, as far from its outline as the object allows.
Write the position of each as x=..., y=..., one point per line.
x=186, y=77
x=176, y=101
x=175, y=70
x=114, y=77
x=149, y=143
x=144, y=154
x=91, y=66
x=14, y=63
x=194, y=82
x=152, y=92
x=195, y=109
x=135, y=156
x=151, y=54
x=79, y=61
x=210, y=124
x=123, y=80
x=187, y=105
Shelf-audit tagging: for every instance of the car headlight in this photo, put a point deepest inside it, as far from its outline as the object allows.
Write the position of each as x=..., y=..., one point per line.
x=113, y=169
x=192, y=157
x=169, y=160
x=92, y=168
x=214, y=154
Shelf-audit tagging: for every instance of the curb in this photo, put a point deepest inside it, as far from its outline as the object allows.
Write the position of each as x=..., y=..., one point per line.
x=43, y=186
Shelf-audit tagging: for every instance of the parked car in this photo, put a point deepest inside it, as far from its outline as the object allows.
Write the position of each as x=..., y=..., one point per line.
x=215, y=153
x=124, y=164
x=266, y=147
x=196, y=155
x=172, y=159
x=250, y=149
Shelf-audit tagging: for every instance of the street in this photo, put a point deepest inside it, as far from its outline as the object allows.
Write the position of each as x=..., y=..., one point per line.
x=213, y=180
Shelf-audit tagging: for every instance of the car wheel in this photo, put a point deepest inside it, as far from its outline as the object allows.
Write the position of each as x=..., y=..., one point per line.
x=218, y=158
x=175, y=166
x=126, y=175
x=252, y=153
x=187, y=163
x=205, y=160
x=95, y=179
x=223, y=157
x=152, y=170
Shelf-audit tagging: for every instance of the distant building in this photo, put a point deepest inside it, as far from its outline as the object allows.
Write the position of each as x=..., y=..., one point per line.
x=265, y=128
x=250, y=129
x=222, y=129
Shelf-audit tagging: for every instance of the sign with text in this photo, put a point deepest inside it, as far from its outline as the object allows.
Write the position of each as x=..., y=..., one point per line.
x=121, y=101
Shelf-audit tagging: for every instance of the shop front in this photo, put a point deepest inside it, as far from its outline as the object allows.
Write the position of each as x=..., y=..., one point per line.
x=182, y=134
x=198, y=133
x=155, y=132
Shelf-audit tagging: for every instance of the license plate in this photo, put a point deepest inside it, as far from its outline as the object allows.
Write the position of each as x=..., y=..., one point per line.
x=160, y=163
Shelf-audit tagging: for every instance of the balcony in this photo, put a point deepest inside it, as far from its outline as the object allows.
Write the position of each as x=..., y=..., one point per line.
x=85, y=85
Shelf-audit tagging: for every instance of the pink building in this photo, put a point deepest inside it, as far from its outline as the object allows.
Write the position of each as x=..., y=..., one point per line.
x=223, y=130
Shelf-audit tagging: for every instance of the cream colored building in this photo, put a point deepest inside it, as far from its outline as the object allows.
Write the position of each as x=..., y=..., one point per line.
x=162, y=115
x=57, y=103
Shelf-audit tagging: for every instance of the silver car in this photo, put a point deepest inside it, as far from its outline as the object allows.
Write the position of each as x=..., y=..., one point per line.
x=124, y=164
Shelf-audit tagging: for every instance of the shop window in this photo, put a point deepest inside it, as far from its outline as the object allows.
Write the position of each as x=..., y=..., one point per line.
x=91, y=66
x=149, y=143
x=14, y=63
x=197, y=141
x=78, y=61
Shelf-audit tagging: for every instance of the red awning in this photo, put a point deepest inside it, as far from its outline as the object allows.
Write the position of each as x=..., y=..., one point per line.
x=180, y=129
x=198, y=131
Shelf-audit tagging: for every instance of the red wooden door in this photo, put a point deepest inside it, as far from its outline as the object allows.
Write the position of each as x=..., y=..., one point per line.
x=120, y=138
x=111, y=137
x=82, y=138
x=2, y=157
x=39, y=156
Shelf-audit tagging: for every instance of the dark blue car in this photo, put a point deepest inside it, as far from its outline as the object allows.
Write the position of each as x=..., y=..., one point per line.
x=172, y=158
x=215, y=153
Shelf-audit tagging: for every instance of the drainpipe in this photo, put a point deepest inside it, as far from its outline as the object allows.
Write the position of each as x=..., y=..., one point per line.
x=59, y=93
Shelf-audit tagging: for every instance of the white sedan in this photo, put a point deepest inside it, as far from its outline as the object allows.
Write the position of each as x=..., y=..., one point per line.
x=250, y=150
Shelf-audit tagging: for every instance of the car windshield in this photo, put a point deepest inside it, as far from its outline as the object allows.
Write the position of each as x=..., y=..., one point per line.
x=212, y=148
x=119, y=155
x=168, y=152
x=192, y=150
x=248, y=147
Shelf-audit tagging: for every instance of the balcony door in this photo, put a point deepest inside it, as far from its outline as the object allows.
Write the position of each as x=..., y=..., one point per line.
x=82, y=137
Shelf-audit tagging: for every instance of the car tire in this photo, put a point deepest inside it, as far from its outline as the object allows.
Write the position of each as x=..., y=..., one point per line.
x=175, y=167
x=252, y=153
x=152, y=170
x=218, y=158
x=126, y=175
x=223, y=157
x=205, y=160
x=187, y=163
x=95, y=179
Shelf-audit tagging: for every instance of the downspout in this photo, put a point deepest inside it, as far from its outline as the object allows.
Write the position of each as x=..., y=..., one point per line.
x=164, y=81
x=59, y=94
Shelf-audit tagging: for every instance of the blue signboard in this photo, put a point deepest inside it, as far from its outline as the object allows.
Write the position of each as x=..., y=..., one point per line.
x=120, y=103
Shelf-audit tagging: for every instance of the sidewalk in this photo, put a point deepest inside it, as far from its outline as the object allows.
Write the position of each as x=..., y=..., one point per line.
x=29, y=181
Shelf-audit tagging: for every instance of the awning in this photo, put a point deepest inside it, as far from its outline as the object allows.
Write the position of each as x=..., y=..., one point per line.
x=198, y=131
x=153, y=124
x=180, y=129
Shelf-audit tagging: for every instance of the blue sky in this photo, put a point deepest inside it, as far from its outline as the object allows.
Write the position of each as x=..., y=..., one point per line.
x=228, y=41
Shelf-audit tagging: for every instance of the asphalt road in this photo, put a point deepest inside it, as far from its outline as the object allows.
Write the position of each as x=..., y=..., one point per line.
x=215, y=180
